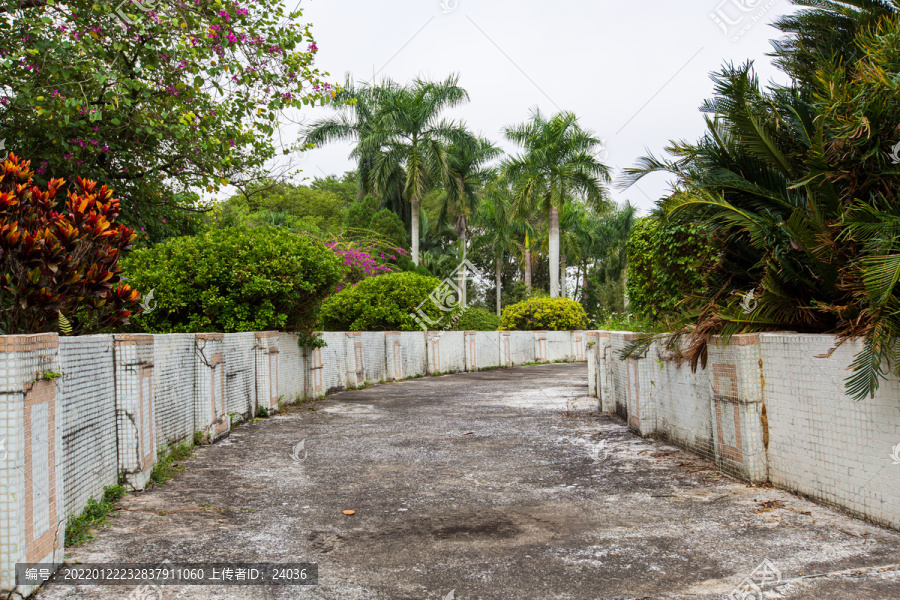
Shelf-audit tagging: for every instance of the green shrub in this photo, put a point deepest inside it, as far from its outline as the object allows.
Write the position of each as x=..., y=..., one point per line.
x=384, y=303
x=478, y=319
x=389, y=226
x=665, y=266
x=360, y=213
x=235, y=279
x=404, y=263
x=627, y=322
x=603, y=298
x=550, y=314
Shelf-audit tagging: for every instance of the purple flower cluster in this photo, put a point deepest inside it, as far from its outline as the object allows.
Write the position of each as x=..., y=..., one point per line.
x=360, y=264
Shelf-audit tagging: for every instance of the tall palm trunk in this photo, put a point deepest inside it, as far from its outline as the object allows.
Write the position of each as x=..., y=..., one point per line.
x=462, y=270
x=578, y=287
x=554, y=252
x=562, y=276
x=415, y=229
x=527, y=264
x=497, y=277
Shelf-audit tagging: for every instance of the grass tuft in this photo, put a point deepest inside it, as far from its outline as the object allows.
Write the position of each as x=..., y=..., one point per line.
x=79, y=529
x=167, y=463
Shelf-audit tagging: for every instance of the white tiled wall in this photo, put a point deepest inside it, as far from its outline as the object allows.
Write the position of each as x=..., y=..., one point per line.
x=88, y=397
x=683, y=401
x=559, y=346
x=370, y=347
x=32, y=507
x=211, y=385
x=405, y=354
x=487, y=348
x=446, y=351
x=291, y=368
x=334, y=361
x=134, y=407
x=823, y=443
x=240, y=373
x=767, y=407
x=173, y=387
x=519, y=349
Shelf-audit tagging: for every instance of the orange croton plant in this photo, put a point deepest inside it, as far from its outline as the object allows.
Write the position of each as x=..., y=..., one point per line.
x=59, y=262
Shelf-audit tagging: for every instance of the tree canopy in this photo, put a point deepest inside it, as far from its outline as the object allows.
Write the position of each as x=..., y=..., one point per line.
x=160, y=101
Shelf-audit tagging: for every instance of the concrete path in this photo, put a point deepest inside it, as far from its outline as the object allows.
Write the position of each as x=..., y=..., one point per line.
x=485, y=485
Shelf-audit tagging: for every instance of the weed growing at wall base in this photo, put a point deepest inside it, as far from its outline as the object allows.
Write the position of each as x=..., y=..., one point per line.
x=78, y=529
x=167, y=463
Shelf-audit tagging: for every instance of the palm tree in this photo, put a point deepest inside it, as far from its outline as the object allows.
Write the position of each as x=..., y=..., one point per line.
x=409, y=133
x=604, y=245
x=825, y=29
x=495, y=234
x=798, y=192
x=359, y=106
x=558, y=162
x=356, y=119
x=467, y=175
x=527, y=233
x=574, y=239
x=609, y=241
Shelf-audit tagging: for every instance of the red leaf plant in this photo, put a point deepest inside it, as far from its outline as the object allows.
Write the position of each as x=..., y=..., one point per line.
x=57, y=260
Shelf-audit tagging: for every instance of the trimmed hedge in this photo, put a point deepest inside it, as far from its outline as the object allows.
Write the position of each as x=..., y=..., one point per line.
x=478, y=319
x=544, y=314
x=234, y=279
x=384, y=303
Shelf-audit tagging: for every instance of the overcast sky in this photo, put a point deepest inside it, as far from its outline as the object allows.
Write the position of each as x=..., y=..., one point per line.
x=634, y=71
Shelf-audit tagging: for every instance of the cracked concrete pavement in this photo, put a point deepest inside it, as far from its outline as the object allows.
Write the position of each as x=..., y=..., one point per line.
x=492, y=485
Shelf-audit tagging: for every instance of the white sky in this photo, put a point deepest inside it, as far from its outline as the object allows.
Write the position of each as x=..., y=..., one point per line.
x=634, y=71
